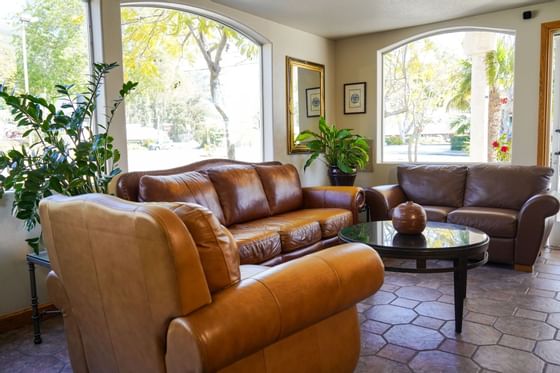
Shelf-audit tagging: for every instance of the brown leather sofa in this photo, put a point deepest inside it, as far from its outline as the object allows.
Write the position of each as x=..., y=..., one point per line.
x=512, y=204
x=272, y=218
x=152, y=287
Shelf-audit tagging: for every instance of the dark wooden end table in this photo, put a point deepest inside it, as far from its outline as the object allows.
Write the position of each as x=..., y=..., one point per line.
x=41, y=259
x=465, y=247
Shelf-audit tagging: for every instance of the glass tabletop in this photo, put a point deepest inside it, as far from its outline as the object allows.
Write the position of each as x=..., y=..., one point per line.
x=437, y=237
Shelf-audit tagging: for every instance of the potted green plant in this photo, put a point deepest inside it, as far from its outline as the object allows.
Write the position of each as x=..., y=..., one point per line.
x=343, y=151
x=64, y=151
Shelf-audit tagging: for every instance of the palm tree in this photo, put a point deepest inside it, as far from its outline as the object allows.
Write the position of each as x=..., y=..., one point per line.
x=499, y=74
x=461, y=80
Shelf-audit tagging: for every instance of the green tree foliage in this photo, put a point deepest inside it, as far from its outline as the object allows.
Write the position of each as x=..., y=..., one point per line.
x=57, y=45
x=156, y=37
x=461, y=81
x=415, y=86
x=499, y=75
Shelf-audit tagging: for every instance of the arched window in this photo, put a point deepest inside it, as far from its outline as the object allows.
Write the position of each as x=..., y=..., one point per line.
x=200, y=89
x=448, y=97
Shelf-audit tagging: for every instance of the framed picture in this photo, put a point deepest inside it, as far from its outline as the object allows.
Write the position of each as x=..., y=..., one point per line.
x=355, y=98
x=313, y=102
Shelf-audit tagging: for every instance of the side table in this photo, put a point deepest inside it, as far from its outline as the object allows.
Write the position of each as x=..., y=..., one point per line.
x=41, y=259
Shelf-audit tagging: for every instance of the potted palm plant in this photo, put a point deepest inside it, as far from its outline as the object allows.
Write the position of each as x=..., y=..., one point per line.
x=64, y=151
x=343, y=151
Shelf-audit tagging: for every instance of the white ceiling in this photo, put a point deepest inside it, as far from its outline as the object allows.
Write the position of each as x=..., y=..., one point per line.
x=341, y=18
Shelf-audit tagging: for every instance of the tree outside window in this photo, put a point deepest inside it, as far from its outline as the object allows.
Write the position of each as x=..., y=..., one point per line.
x=449, y=98
x=42, y=43
x=199, y=92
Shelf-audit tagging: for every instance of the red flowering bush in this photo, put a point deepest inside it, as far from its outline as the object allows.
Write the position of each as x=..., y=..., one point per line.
x=502, y=149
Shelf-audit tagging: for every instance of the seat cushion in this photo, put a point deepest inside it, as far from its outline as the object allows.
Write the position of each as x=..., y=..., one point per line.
x=240, y=192
x=282, y=187
x=505, y=186
x=492, y=221
x=192, y=187
x=294, y=234
x=216, y=245
x=331, y=220
x=433, y=185
x=256, y=246
x=438, y=213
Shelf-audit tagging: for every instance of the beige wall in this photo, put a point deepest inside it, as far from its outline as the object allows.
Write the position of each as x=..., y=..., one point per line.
x=14, y=276
x=356, y=60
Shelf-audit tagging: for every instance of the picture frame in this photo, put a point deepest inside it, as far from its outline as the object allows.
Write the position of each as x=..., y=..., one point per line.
x=355, y=98
x=313, y=102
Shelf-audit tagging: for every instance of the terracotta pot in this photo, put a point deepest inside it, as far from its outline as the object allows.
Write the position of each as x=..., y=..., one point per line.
x=409, y=218
x=339, y=178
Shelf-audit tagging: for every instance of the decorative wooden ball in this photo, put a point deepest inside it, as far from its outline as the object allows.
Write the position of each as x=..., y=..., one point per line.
x=409, y=218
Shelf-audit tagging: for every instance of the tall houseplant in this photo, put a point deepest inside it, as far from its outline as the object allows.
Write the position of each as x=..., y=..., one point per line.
x=65, y=151
x=343, y=151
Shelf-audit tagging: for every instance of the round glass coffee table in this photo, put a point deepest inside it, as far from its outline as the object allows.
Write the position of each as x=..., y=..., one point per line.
x=464, y=247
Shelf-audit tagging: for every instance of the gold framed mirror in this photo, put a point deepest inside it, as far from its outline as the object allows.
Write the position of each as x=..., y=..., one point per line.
x=305, y=99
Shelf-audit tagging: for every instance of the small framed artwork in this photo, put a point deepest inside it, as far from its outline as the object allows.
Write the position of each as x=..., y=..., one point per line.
x=313, y=102
x=355, y=98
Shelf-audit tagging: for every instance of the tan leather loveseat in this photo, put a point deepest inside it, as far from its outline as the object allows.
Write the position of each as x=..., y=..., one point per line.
x=511, y=204
x=271, y=217
x=158, y=288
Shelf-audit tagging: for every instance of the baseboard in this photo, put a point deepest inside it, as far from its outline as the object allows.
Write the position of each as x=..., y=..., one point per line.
x=18, y=319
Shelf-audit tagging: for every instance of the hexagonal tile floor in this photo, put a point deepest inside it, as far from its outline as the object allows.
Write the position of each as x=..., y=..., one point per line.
x=511, y=324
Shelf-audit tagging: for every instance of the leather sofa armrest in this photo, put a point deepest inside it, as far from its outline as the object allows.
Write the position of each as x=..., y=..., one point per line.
x=271, y=305
x=535, y=221
x=350, y=198
x=382, y=198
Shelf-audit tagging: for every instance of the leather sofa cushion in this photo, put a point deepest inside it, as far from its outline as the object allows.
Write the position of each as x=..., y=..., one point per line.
x=240, y=192
x=494, y=222
x=192, y=187
x=294, y=234
x=331, y=220
x=216, y=246
x=505, y=186
x=255, y=245
x=438, y=213
x=438, y=185
x=282, y=187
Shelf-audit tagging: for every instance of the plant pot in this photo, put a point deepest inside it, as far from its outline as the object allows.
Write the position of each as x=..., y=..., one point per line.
x=339, y=178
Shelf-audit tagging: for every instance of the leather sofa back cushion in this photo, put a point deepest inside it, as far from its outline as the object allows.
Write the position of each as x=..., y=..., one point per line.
x=505, y=186
x=216, y=246
x=240, y=192
x=436, y=185
x=282, y=187
x=192, y=187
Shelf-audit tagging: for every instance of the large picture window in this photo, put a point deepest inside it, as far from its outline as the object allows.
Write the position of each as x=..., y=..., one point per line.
x=200, y=89
x=42, y=43
x=448, y=98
